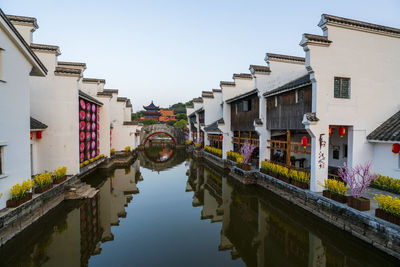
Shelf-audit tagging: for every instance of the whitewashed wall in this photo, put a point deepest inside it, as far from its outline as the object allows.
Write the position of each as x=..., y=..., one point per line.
x=372, y=63
x=14, y=116
x=385, y=162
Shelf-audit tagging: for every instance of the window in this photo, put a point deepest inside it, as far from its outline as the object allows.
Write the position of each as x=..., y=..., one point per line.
x=342, y=87
x=299, y=96
x=239, y=107
x=246, y=105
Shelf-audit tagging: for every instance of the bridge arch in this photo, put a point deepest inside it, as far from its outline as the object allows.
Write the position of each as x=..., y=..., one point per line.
x=177, y=135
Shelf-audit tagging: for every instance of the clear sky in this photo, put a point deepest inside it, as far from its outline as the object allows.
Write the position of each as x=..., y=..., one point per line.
x=170, y=51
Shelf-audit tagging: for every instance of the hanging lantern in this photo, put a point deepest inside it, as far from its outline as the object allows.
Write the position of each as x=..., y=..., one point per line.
x=222, y=137
x=304, y=142
x=342, y=131
x=39, y=134
x=396, y=148
x=31, y=135
x=330, y=130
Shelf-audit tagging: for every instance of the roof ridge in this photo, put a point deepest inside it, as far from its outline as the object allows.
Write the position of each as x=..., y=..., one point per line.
x=282, y=57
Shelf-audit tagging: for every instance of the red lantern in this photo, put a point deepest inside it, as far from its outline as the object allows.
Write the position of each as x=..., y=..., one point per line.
x=342, y=131
x=396, y=148
x=330, y=130
x=304, y=142
x=31, y=135
x=222, y=137
x=39, y=134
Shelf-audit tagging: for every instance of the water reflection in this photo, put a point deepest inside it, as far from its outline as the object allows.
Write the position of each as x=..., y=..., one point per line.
x=161, y=157
x=250, y=226
x=264, y=230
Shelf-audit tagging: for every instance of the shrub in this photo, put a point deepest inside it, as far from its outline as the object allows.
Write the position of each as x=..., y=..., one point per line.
x=86, y=162
x=41, y=180
x=388, y=203
x=335, y=186
x=112, y=150
x=247, y=150
x=19, y=191
x=101, y=155
x=300, y=176
x=60, y=172
x=387, y=183
x=189, y=142
x=127, y=148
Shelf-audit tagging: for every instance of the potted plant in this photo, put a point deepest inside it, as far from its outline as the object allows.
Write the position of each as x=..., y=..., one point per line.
x=43, y=182
x=335, y=190
x=358, y=180
x=60, y=175
x=127, y=149
x=112, y=151
x=243, y=161
x=388, y=208
x=20, y=194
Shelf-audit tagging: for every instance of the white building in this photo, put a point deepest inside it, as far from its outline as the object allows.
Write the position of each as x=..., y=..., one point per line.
x=212, y=105
x=18, y=63
x=354, y=69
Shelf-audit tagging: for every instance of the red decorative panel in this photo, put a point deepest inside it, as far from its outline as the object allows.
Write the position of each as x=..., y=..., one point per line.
x=89, y=130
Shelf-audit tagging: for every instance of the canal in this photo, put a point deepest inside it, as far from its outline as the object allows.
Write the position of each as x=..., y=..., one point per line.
x=169, y=210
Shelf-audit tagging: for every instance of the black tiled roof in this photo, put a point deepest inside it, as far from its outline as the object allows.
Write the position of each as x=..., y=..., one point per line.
x=37, y=125
x=213, y=127
x=151, y=106
x=317, y=38
x=311, y=116
x=387, y=131
x=299, y=82
x=89, y=98
x=236, y=98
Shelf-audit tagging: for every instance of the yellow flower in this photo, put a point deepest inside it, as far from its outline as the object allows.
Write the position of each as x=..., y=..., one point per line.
x=43, y=179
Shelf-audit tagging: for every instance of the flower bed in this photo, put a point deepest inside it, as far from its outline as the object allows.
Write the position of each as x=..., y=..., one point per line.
x=233, y=156
x=87, y=162
x=20, y=194
x=60, y=175
x=336, y=190
x=43, y=182
x=298, y=178
x=361, y=204
x=215, y=151
x=386, y=183
x=389, y=208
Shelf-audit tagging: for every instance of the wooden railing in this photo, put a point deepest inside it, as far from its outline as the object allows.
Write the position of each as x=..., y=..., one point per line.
x=295, y=147
x=243, y=140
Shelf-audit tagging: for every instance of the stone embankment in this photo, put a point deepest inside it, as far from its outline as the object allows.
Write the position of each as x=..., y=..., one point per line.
x=363, y=225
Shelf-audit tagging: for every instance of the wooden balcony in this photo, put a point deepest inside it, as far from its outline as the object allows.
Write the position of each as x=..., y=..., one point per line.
x=295, y=147
x=242, y=141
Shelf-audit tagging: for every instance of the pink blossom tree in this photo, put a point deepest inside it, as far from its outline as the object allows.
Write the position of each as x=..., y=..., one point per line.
x=246, y=150
x=358, y=178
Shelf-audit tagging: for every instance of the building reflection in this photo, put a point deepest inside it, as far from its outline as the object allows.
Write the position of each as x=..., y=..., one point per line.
x=71, y=233
x=264, y=230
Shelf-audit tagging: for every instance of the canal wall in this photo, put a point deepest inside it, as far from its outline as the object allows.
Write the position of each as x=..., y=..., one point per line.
x=15, y=220
x=381, y=234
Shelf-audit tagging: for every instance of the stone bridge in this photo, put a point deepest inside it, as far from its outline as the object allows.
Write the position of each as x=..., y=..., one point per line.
x=177, y=135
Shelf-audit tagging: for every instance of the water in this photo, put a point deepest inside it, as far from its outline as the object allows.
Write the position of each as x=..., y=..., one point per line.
x=178, y=212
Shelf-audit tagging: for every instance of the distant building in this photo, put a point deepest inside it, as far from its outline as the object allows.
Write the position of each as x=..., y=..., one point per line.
x=152, y=112
x=167, y=115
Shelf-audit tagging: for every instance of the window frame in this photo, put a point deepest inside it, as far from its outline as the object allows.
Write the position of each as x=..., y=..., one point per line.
x=341, y=79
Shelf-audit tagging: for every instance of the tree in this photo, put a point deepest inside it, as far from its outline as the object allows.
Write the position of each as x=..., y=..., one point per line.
x=171, y=123
x=181, y=124
x=181, y=116
x=147, y=122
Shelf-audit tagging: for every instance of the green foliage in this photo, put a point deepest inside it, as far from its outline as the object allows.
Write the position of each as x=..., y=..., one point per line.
x=181, y=116
x=149, y=122
x=171, y=123
x=181, y=124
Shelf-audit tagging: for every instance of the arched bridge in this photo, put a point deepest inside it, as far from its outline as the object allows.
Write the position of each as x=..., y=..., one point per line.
x=177, y=135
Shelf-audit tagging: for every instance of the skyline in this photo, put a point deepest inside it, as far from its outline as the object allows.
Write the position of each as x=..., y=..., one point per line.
x=163, y=47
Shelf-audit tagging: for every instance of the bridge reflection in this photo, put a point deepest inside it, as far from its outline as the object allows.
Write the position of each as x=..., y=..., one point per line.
x=161, y=157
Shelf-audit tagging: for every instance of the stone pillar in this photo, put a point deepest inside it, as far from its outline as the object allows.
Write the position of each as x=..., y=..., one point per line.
x=226, y=131
x=319, y=133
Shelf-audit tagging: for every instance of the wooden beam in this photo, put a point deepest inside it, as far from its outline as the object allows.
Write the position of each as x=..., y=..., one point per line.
x=288, y=147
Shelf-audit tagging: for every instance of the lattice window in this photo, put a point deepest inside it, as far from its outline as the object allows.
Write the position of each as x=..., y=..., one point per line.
x=342, y=87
